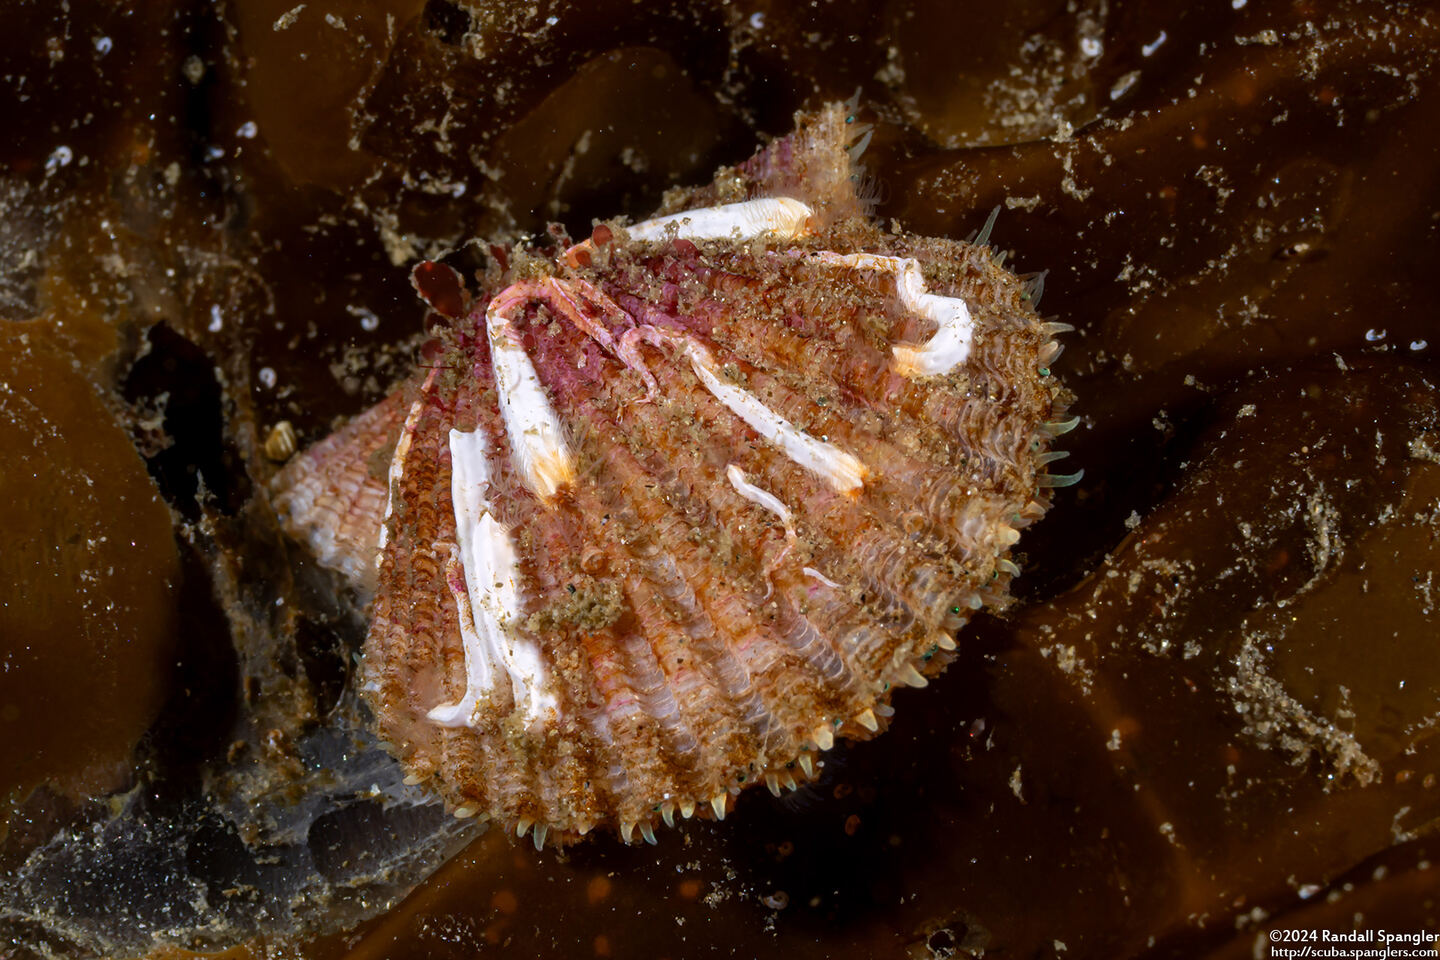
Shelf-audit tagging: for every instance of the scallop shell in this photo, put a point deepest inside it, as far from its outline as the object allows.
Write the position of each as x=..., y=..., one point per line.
x=671, y=514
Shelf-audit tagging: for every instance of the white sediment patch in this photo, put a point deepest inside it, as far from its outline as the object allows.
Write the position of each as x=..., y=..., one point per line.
x=949, y=346
x=781, y=217
x=490, y=601
x=841, y=470
x=537, y=440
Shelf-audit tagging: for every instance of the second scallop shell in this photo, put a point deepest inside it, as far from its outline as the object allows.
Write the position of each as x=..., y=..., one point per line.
x=671, y=514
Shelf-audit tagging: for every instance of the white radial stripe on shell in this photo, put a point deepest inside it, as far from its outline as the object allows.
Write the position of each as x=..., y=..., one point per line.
x=537, y=440
x=479, y=671
x=842, y=471
x=812, y=572
x=491, y=575
x=949, y=346
x=397, y=470
x=767, y=216
x=759, y=495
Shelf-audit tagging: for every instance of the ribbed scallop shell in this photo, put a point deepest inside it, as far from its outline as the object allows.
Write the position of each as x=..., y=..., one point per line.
x=687, y=605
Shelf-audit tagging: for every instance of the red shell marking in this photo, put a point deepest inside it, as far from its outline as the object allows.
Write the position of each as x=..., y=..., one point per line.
x=670, y=515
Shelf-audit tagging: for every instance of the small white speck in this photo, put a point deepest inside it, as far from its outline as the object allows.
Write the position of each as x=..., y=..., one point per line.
x=103, y=45
x=247, y=130
x=267, y=377
x=1418, y=345
x=757, y=21
x=59, y=157
x=1154, y=45
x=286, y=19
x=551, y=21
x=1374, y=335
x=216, y=320
x=368, y=320
x=1122, y=86
x=1237, y=4
x=214, y=153
x=193, y=68
x=1091, y=46
x=1308, y=890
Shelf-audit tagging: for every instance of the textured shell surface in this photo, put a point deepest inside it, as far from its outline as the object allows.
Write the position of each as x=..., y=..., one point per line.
x=672, y=511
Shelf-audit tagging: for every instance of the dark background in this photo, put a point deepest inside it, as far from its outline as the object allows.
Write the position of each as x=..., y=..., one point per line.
x=1211, y=714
